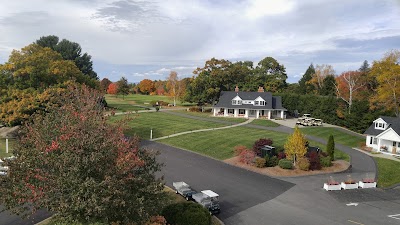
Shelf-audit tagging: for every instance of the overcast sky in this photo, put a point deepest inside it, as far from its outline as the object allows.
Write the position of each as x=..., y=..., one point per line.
x=148, y=39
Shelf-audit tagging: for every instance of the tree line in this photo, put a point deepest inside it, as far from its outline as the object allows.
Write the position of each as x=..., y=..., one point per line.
x=352, y=99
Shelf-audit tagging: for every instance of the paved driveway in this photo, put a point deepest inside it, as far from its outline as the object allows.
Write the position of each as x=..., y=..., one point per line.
x=239, y=189
x=251, y=198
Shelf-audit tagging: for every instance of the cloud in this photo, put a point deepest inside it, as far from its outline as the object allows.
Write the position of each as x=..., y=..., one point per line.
x=150, y=38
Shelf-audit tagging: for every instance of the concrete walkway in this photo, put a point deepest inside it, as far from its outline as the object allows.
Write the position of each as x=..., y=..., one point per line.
x=202, y=130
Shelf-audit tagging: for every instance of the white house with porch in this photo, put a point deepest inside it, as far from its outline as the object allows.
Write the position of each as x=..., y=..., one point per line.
x=249, y=105
x=383, y=135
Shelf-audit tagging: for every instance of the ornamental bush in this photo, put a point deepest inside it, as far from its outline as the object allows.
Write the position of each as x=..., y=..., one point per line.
x=303, y=164
x=261, y=143
x=260, y=162
x=315, y=163
x=239, y=149
x=247, y=157
x=326, y=161
x=273, y=161
x=285, y=164
x=281, y=155
x=186, y=213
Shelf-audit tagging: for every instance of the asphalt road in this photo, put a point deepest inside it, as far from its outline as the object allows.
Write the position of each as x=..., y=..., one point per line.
x=10, y=219
x=251, y=198
x=239, y=189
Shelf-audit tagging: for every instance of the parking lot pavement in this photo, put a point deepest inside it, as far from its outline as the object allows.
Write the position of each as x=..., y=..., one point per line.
x=239, y=189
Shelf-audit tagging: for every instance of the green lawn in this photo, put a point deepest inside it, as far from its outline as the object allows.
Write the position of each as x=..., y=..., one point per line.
x=339, y=136
x=264, y=123
x=3, y=147
x=219, y=144
x=163, y=124
x=210, y=115
x=387, y=172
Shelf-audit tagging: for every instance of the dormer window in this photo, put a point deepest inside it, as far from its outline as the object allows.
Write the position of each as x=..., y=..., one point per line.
x=380, y=126
x=236, y=102
x=259, y=101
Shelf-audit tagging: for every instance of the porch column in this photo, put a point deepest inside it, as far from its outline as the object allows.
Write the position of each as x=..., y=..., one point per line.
x=379, y=144
x=235, y=112
x=282, y=114
x=214, y=111
x=258, y=112
x=225, y=112
x=246, y=113
x=269, y=114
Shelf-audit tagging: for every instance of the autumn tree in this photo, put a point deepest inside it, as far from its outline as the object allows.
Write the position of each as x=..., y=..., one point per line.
x=123, y=87
x=387, y=74
x=348, y=84
x=173, y=85
x=160, y=86
x=295, y=146
x=70, y=51
x=74, y=163
x=27, y=74
x=321, y=72
x=112, y=89
x=146, y=86
x=104, y=83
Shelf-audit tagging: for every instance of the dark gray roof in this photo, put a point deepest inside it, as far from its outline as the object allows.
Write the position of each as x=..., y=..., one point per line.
x=271, y=102
x=393, y=122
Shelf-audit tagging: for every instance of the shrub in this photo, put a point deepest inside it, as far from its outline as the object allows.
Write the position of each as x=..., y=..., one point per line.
x=239, y=149
x=194, y=109
x=323, y=154
x=279, y=149
x=326, y=161
x=303, y=164
x=281, y=155
x=260, y=162
x=330, y=147
x=157, y=108
x=273, y=161
x=259, y=144
x=285, y=164
x=315, y=163
x=186, y=213
x=247, y=157
x=208, y=110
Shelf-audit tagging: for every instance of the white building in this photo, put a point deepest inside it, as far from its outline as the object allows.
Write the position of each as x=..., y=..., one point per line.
x=383, y=135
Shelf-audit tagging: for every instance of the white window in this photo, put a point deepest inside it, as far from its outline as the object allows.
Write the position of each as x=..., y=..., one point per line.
x=233, y=102
x=242, y=111
x=375, y=141
x=255, y=102
x=230, y=111
x=239, y=102
x=262, y=103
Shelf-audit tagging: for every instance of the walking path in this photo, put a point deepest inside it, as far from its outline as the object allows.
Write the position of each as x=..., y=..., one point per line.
x=202, y=130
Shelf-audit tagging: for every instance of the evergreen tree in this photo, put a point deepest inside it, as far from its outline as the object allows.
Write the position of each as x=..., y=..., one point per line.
x=328, y=86
x=330, y=147
x=304, y=86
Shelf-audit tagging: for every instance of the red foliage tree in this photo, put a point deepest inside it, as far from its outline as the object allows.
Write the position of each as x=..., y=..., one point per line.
x=112, y=89
x=71, y=161
x=261, y=143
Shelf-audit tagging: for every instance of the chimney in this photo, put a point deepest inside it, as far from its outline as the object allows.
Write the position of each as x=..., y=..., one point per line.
x=236, y=89
x=260, y=89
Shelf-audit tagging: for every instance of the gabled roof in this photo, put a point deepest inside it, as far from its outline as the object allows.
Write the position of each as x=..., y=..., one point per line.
x=271, y=102
x=392, y=122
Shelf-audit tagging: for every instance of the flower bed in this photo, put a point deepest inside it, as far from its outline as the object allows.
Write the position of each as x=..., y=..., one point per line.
x=332, y=186
x=367, y=183
x=347, y=186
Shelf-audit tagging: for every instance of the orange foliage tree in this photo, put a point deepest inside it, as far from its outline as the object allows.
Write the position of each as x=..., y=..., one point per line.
x=146, y=86
x=349, y=84
x=112, y=89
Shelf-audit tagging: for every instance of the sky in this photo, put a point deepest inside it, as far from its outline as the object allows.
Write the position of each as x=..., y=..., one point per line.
x=146, y=39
